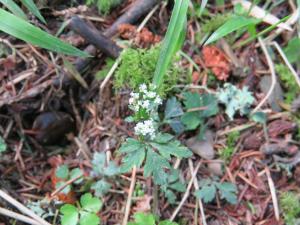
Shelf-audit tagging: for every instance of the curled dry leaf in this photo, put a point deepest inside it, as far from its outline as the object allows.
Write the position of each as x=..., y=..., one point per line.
x=144, y=38
x=280, y=127
x=253, y=141
x=143, y=204
x=217, y=61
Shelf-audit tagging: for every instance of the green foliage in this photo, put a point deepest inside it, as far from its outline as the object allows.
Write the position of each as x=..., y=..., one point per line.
x=226, y=153
x=155, y=156
x=259, y=117
x=65, y=174
x=3, y=146
x=234, y=23
x=210, y=187
x=235, y=100
x=103, y=171
x=292, y=50
x=290, y=207
x=173, y=112
x=198, y=108
x=109, y=62
x=216, y=21
x=86, y=214
x=148, y=219
x=42, y=208
x=104, y=6
x=288, y=81
x=137, y=67
x=172, y=42
x=25, y=31
x=29, y=4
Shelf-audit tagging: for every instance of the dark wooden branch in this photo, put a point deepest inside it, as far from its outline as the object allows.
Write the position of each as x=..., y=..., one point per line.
x=94, y=37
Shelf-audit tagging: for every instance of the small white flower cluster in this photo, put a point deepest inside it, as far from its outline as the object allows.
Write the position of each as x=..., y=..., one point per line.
x=146, y=99
x=146, y=128
x=147, y=102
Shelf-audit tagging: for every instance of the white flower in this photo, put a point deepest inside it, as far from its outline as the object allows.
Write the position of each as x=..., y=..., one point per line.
x=146, y=104
x=151, y=94
x=158, y=100
x=143, y=88
x=145, y=128
x=131, y=101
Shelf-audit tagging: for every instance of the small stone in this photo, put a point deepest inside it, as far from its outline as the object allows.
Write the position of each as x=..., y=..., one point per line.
x=202, y=148
x=215, y=168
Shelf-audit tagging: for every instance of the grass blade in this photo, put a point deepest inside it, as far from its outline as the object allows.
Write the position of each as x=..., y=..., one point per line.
x=25, y=31
x=233, y=24
x=33, y=9
x=172, y=41
x=14, y=8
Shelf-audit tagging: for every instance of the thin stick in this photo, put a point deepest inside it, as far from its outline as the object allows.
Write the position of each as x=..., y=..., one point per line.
x=273, y=194
x=147, y=18
x=196, y=186
x=110, y=73
x=273, y=75
x=22, y=208
x=131, y=189
x=65, y=185
x=283, y=56
x=18, y=216
x=187, y=192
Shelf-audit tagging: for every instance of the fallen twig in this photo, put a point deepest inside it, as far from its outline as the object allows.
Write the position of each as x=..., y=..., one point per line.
x=187, y=192
x=130, y=193
x=22, y=208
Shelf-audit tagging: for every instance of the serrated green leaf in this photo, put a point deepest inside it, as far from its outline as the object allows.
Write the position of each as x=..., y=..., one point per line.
x=62, y=172
x=14, y=8
x=133, y=159
x=176, y=125
x=76, y=173
x=87, y=218
x=191, y=120
x=163, y=138
x=25, y=31
x=171, y=197
x=90, y=203
x=111, y=170
x=173, y=108
x=130, y=145
x=3, y=146
x=233, y=24
x=206, y=193
x=228, y=192
x=98, y=163
x=172, y=148
x=29, y=4
x=191, y=100
x=101, y=187
x=70, y=215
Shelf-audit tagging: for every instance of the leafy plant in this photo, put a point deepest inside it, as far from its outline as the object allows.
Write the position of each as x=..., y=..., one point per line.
x=210, y=187
x=103, y=171
x=198, y=108
x=292, y=50
x=288, y=80
x=148, y=219
x=104, y=6
x=173, y=40
x=226, y=153
x=172, y=115
x=64, y=174
x=137, y=67
x=213, y=23
x=2, y=145
x=290, y=206
x=235, y=100
x=85, y=214
x=25, y=31
x=233, y=24
x=153, y=154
